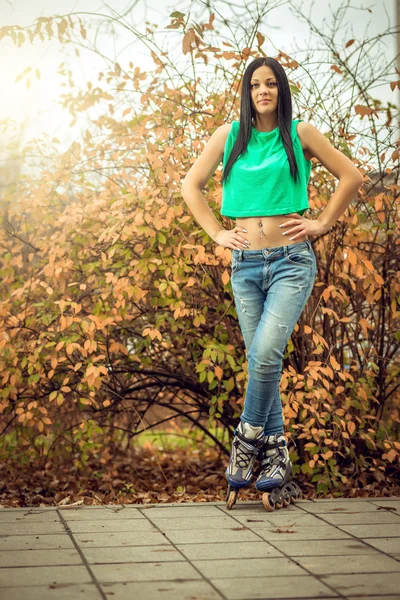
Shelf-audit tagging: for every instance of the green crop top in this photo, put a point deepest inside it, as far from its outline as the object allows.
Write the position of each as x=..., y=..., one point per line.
x=259, y=183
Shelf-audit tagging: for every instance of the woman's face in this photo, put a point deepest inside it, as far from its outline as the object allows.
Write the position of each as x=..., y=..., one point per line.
x=263, y=86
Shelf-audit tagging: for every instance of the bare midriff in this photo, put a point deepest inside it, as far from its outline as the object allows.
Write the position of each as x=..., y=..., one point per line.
x=272, y=233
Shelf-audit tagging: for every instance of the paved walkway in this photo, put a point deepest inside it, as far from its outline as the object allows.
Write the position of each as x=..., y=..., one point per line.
x=314, y=549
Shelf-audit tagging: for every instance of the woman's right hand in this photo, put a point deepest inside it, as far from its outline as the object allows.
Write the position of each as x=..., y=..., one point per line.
x=232, y=238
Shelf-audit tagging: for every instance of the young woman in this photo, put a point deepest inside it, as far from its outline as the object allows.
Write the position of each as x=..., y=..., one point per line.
x=267, y=162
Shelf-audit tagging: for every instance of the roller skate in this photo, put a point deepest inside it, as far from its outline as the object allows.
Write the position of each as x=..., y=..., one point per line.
x=246, y=446
x=275, y=477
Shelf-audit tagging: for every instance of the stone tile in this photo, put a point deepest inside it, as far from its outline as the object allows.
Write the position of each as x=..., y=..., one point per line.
x=345, y=500
x=258, y=509
x=188, y=536
x=248, y=567
x=32, y=558
x=36, y=542
x=388, y=545
x=273, y=587
x=162, y=590
x=367, y=584
x=355, y=518
x=299, y=532
x=24, y=576
x=236, y=550
x=222, y=522
x=280, y=519
x=370, y=530
x=131, y=554
x=385, y=597
x=31, y=528
x=182, y=511
x=334, y=506
x=322, y=547
x=386, y=502
x=114, y=525
x=145, y=571
x=218, y=503
x=23, y=509
x=100, y=512
x=28, y=516
x=354, y=563
x=119, y=538
x=86, y=591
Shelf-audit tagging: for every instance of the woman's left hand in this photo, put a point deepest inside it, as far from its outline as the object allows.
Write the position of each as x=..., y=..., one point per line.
x=300, y=226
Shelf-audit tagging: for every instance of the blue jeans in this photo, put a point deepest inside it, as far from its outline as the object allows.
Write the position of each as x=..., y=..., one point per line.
x=270, y=286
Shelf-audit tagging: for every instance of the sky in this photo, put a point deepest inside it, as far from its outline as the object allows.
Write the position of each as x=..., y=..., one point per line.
x=36, y=108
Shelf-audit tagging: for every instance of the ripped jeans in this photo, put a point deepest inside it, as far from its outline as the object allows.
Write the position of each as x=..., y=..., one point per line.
x=271, y=287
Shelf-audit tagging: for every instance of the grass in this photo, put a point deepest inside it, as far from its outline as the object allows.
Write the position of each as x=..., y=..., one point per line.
x=184, y=438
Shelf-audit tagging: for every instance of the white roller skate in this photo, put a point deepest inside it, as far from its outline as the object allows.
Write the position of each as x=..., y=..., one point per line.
x=275, y=477
x=245, y=448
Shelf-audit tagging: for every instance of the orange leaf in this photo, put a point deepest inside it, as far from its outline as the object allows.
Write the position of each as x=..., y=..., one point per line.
x=218, y=371
x=334, y=363
x=188, y=38
x=351, y=427
x=225, y=277
x=260, y=38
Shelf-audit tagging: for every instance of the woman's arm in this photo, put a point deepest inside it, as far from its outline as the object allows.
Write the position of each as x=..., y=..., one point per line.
x=194, y=182
x=198, y=177
x=339, y=165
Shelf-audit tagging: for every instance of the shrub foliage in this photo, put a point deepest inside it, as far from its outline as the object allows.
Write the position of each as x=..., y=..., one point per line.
x=113, y=301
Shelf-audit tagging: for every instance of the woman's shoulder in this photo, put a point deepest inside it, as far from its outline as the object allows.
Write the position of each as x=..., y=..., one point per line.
x=233, y=126
x=302, y=125
x=225, y=129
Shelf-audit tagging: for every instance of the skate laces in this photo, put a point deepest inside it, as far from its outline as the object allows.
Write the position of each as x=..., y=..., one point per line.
x=245, y=453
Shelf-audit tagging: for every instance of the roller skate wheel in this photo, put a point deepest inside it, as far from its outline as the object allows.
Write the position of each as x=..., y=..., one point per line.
x=286, y=501
x=268, y=502
x=231, y=498
x=297, y=493
x=278, y=505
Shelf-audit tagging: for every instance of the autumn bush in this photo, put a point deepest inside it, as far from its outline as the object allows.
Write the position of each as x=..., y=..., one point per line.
x=114, y=302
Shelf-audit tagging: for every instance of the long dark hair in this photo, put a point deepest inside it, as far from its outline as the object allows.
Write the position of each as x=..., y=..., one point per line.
x=247, y=112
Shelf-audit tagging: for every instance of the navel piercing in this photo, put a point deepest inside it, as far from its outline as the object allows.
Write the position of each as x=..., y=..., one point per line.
x=261, y=228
